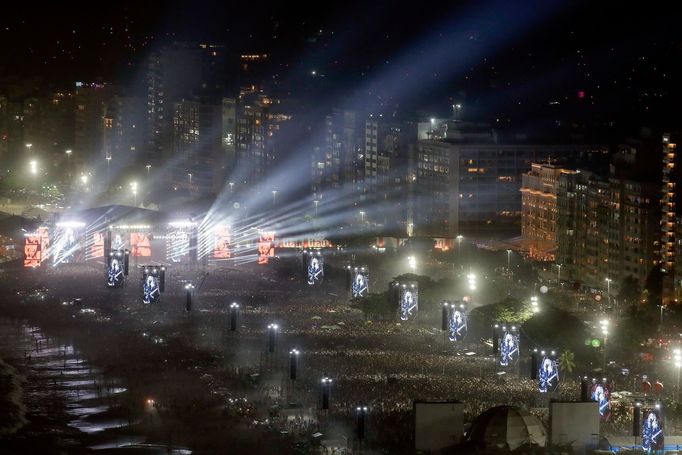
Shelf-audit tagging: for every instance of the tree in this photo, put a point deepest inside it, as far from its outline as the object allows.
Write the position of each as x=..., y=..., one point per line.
x=654, y=287
x=509, y=310
x=630, y=291
x=567, y=361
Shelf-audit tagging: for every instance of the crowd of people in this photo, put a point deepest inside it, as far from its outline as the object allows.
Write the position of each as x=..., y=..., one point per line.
x=383, y=364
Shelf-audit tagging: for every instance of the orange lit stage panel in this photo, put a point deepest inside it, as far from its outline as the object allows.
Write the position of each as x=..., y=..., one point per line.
x=32, y=250
x=140, y=245
x=266, y=247
x=221, y=243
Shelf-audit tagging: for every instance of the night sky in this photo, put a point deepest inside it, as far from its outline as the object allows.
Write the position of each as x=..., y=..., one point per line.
x=497, y=58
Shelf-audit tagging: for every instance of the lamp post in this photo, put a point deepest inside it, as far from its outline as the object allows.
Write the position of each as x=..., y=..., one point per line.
x=459, y=238
x=608, y=289
x=293, y=363
x=133, y=188
x=456, y=108
x=188, y=297
x=558, y=279
x=677, y=355
x=362, y=216
x=361, y=415
x=190, y=180
x=471, y=280
x=272, y=334
x=274, y=197
x=604, y=324
x=326, y=392
x=316, y=202
x=231, y=187
x=108, y=158
x=234, y=313
x=509, y=260
x=149, y=166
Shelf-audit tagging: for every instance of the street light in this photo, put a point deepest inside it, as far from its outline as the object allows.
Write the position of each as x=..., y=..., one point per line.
x=508, y=260
x=190, y=179
x=459, y=238
x=412, y=262
x=360, y=417
x=604, y=324
x=316, y=202
x=108, y=158
x=33, y=167
x=133, y=188
x=149, y=166
x=231, y=187
x=608, y=289
x=272, y=333
x=535, y=304
x=274, y=195
x=28, y=146
x=456, y=108
x=677, y=355
x=293, y=363
x=362, y=216
x=471, y=279
x=188, y=296
x=326, y=392
x=234, y=314
x=559, y=275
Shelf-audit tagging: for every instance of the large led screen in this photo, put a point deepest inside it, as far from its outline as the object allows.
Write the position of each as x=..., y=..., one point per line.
x=409, y=301
x=315, y=268
x=150, y=286
x=68, y=244
x=458, y=323
x=221, y=243
x=548, y=373
x=115, y=269
x=652, y=430
x=509, y=347
x=32, y=250
x=360, y=282
x=601, y=393
x=266, y=247
x=140, y=245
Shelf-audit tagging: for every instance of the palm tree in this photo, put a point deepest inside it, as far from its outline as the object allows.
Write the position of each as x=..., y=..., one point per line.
x=567, y=361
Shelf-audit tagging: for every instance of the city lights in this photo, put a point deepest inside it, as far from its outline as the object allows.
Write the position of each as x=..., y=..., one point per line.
x=471, y=281
x=337, y=231
x=412, y=262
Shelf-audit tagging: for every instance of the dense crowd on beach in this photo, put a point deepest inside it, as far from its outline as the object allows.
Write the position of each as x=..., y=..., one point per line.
x=384, y=365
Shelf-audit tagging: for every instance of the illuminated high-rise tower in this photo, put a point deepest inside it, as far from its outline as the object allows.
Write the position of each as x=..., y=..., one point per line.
x=671, y=245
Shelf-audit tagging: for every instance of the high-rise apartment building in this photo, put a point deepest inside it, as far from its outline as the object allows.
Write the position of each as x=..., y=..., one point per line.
x=671, y=222
x=539, y=210
x=196, y=150
x=251, y=126
x=477, y=180
x=338, y=163
x=90, y=100
x=384, y=180
x=176, y=72
x=607, y=227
